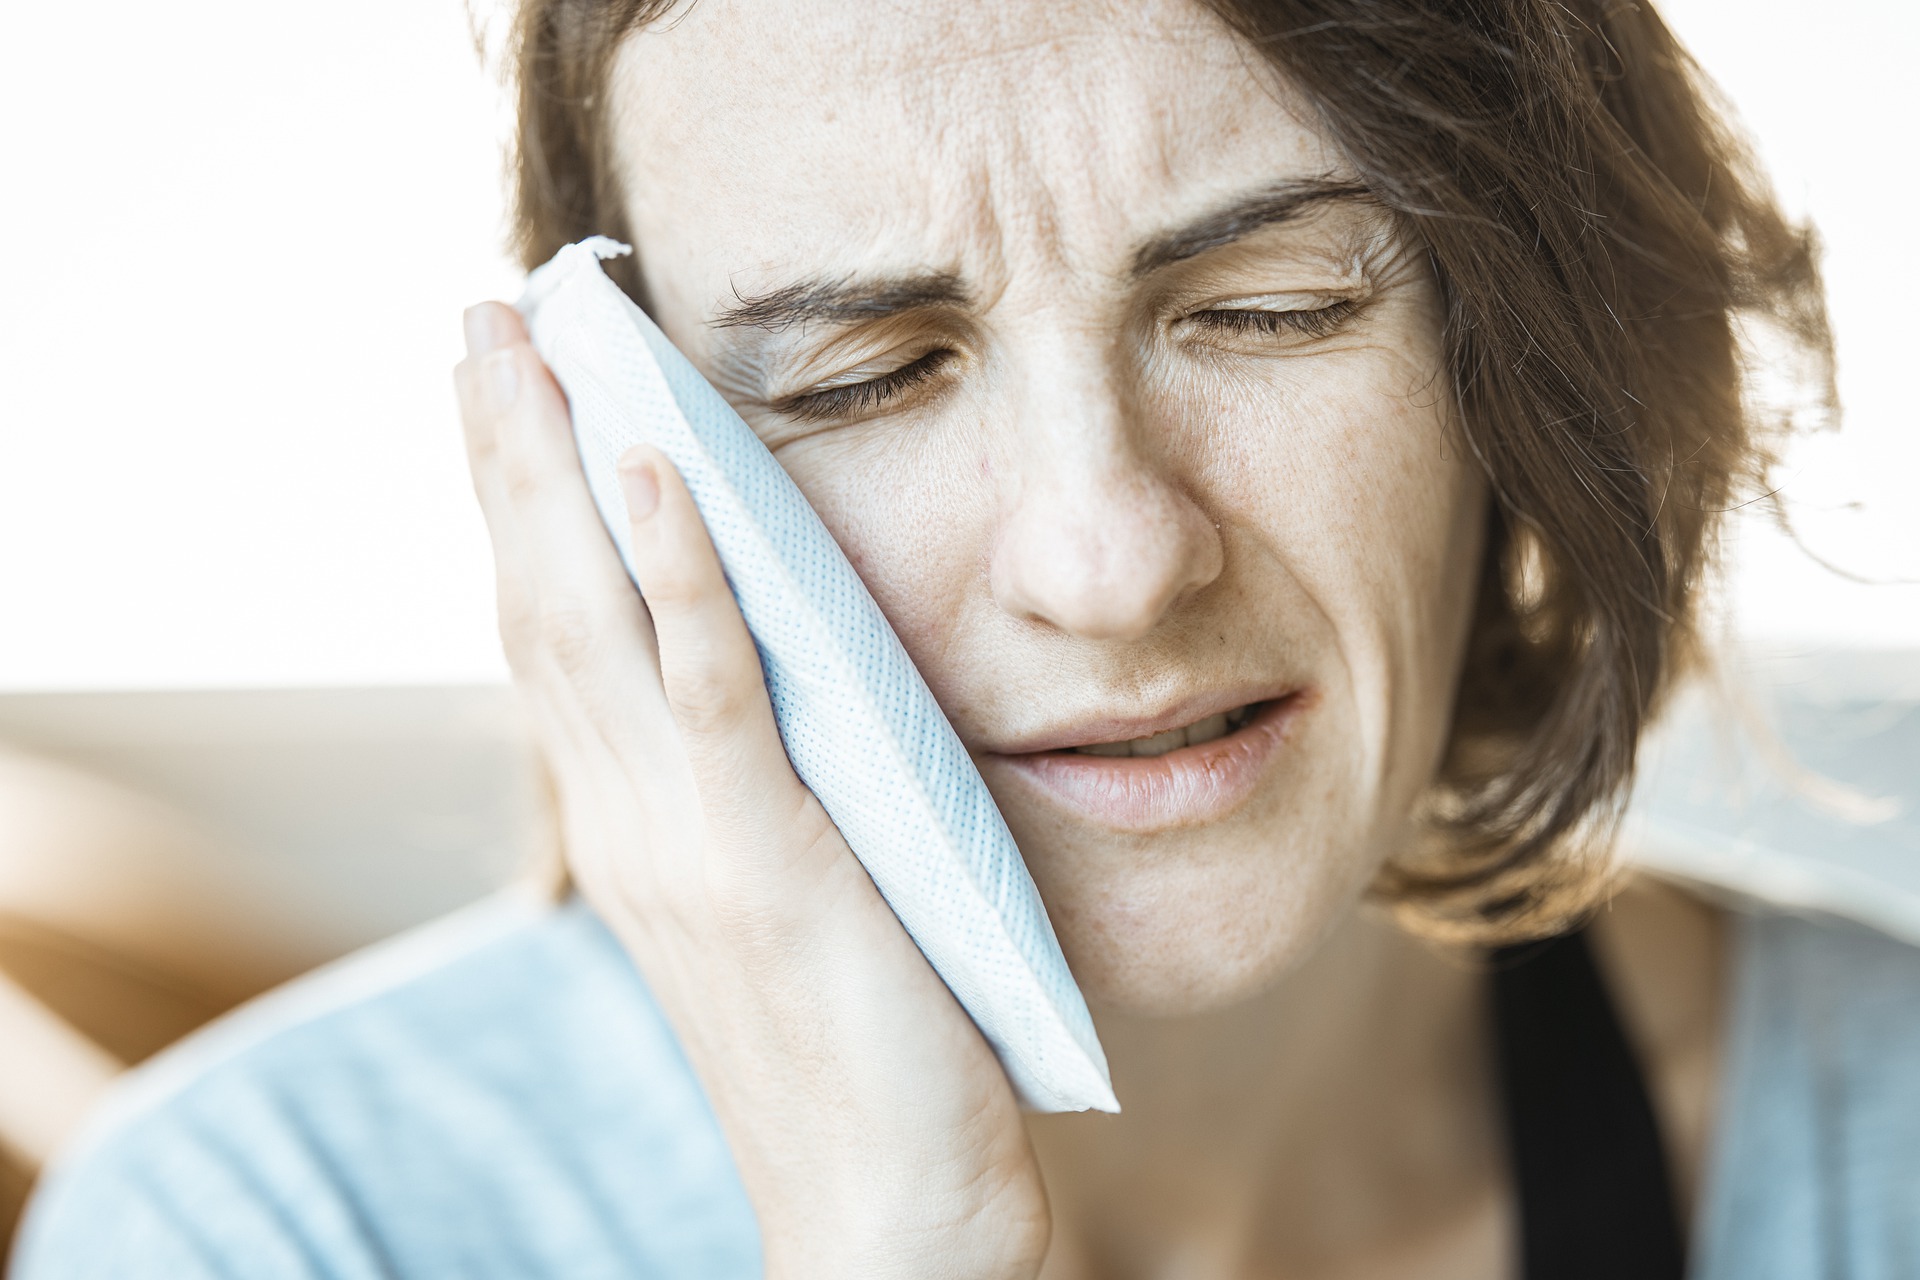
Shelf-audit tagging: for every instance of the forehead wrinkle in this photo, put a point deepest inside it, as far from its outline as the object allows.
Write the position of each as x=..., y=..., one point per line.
x=1030, y=145
x=1034, y=173
x=966, y=32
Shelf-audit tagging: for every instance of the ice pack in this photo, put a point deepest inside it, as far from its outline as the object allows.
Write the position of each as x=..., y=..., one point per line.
x=858, y=722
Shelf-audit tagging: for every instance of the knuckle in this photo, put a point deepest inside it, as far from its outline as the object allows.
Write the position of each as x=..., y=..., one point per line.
x=570, y=634
x=483, y=446
x=521, y=478
x=483, y=450
x=705, y=699
x=673, y=591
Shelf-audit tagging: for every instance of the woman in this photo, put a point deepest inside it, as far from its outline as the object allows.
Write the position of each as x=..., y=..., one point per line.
x=1288, y=437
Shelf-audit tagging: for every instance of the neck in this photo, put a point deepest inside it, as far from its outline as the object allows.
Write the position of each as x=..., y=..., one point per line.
x=1338, y=1124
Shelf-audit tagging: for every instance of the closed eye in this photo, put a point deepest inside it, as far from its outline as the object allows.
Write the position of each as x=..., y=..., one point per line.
x=854, y=398
x=1316, y=322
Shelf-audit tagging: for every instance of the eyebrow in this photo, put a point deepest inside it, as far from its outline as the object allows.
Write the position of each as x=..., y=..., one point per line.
x=1240, y=218
x=848, y=300
x=842, y=301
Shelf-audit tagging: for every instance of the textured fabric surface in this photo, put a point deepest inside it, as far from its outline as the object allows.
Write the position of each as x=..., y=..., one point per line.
x=1817, y=1172
x=495, y=1097
x=498, y=1096
x=859, y=724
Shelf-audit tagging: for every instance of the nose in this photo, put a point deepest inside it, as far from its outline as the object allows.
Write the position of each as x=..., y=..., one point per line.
x=1098, y=536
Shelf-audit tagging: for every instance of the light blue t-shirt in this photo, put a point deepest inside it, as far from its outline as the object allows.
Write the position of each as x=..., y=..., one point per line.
x=498, y=1096
x=495, y=1095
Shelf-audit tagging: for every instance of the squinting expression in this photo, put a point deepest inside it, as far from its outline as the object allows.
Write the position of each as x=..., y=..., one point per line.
x=1130, y=409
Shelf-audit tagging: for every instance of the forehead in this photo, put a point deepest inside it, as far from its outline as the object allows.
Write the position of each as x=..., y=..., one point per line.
x=761, y=138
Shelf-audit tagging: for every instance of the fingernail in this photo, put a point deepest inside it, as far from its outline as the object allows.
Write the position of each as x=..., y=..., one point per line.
x=482, y=324
x=502, y=377
x=641, y=487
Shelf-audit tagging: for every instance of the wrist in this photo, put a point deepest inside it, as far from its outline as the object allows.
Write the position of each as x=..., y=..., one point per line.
x=1003, y=1237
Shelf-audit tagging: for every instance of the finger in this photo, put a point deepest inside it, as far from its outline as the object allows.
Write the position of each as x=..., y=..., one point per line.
x=516, y=419
x=709, y=667
x=516, y=584
x=480, y=384
x=592, y=623
x=513, y=586
x=569, y=613
x=486, y=383
x=490, y=326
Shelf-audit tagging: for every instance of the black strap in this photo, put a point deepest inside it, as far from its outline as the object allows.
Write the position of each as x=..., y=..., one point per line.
x=1596, y=1198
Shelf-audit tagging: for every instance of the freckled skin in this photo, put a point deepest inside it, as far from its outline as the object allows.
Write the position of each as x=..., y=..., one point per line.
x=1097, y=505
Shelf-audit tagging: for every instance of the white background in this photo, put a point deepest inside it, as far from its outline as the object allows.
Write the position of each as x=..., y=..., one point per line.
x=239, y=235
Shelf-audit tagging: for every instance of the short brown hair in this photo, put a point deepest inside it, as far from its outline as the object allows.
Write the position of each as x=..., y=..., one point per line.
x=1599, y=234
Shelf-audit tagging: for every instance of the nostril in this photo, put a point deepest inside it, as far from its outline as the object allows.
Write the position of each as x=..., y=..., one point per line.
x=1083, y=597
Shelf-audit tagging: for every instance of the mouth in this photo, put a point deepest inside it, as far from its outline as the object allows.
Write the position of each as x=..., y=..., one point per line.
x=1202, y=731
x=1142, y=777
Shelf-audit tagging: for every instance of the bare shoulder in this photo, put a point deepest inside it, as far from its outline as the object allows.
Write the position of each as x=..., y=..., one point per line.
x=1664, y=952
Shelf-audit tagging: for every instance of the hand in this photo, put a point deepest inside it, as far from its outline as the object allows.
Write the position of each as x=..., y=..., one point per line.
x=873, y=1128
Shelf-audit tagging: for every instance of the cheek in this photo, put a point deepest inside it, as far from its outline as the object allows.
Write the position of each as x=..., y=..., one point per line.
x=1352, y=535
x=1357, y=533
x=911, y=509
x=1357, y=489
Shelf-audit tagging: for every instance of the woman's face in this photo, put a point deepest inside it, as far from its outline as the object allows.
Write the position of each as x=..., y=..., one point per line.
x=1130, y=411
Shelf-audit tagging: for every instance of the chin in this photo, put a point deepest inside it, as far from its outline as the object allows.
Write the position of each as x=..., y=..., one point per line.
x=1158, y=930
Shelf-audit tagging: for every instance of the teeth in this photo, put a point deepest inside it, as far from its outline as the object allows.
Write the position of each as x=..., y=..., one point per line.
x=1207, y=730
x=1160, y=743
x=1218, y=726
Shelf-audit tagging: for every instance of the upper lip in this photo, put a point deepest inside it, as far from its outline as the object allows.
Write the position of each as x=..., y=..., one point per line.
x=1091, y=730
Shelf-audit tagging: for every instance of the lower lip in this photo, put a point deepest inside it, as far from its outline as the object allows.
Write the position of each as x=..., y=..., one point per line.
x=1183, y=788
